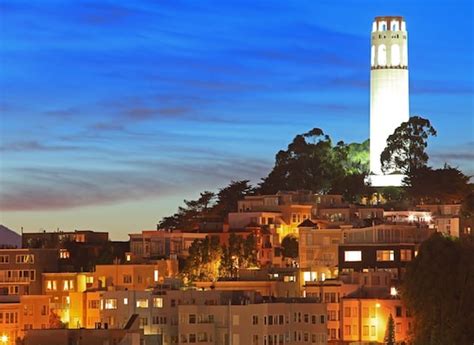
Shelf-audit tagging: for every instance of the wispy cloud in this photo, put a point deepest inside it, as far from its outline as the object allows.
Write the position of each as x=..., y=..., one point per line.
x=33, y=145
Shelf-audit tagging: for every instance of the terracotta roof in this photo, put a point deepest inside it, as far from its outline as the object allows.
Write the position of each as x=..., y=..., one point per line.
x=307, y=223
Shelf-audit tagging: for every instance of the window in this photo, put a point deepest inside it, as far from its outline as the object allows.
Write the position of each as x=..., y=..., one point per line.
x=63, y=253
x=4, y=259
x=395, y=54
x=306, y=318
x=155, y=275
x=372, y=331
x=142, y=303
x=68, y=285
x=255, y=339
x=352, y=255
x=25, y=259
x=111, y=303
x=192, y=318
x=365, y=331
x=127, y=279
x=157, y=302
x=347, y=330
x=347, y=312
x=405, y=255
x=51, y=285
x=382, y=55
x=385, y=255
x=125, y=301
x=398, y=327
x=254, y=319
x=143, y=322
x=365, y=313
x=398, y=311
x=93, y=304
x=322, y=318
x=192, y=337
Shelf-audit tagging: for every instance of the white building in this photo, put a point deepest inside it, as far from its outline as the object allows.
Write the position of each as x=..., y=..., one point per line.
x=389, y=105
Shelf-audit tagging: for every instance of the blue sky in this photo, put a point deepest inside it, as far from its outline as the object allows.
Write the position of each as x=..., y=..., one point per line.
x=113, y=112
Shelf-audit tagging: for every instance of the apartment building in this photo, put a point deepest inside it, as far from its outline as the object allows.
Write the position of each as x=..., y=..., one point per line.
x=388, y=247
x=365, y=315
x=21, y=270
x=60, y=285
x=18, y=314
x=135, y=276
x=130, y=334
x=158, y=244
x=318, y=250
x=182, y=317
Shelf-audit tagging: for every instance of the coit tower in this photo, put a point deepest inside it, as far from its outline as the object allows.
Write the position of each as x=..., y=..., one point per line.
x=388, y=90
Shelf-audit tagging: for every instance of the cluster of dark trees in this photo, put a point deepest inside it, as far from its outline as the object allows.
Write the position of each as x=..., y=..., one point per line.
x=438, y=289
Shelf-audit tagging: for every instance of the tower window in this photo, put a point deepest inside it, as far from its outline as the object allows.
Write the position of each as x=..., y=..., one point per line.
x=395, y=55
x=382, y=55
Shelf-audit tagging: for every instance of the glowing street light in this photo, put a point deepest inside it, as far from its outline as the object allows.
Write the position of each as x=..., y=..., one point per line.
x=4, y=339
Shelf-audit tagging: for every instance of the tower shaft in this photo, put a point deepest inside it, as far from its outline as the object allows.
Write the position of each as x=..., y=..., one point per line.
x=389, y=100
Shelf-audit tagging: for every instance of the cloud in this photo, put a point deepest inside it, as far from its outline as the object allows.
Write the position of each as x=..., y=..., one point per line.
x=435, y=87
x=33, y=145
x=55, y=188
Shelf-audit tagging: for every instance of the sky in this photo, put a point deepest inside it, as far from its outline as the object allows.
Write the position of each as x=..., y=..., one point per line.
x=113, y=112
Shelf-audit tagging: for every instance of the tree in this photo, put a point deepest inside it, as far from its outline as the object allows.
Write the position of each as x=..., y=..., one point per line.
x=204, y=260
x=406, y=147
x=290, y=246
x=390, y=333
x=311, y=162
x=451, y=185
x=228, y=197
x=190, y=216
x=438, y=287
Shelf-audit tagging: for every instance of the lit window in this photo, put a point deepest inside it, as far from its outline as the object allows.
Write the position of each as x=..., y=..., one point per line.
x=158, y=302
x=385, y=255
x=395, y=55
x=125, y=301
x=352, y=255
x=382, y=55
x=111, y=303
x=155, y=275
x=405, y=255
x=128, y=257
x=142, y=303
x=64, y=254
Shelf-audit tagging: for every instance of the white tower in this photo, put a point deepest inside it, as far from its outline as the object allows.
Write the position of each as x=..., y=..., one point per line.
x=388, y=90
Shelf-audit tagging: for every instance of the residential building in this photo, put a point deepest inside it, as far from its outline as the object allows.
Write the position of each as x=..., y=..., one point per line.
x=21, y=270
x=159, y=244
x=179, y=317
x=382, y=247
x=135, y=276
x=79, y=250
x=318, y=250
x=130, y=334
x=59, y=286
x=365, y=314
x=21, y=313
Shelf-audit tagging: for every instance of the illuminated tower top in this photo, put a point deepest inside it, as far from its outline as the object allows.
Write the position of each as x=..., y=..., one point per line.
x=389, y=43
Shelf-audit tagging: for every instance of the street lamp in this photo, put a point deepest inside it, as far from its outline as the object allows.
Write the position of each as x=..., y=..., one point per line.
x=4, y=339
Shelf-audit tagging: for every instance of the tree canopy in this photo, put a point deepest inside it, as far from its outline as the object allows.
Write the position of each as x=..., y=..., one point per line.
x=312, y=162
x=208, y=207
x=290, y=248
x=438, y=289
x=406, y=147
x=445, y=185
